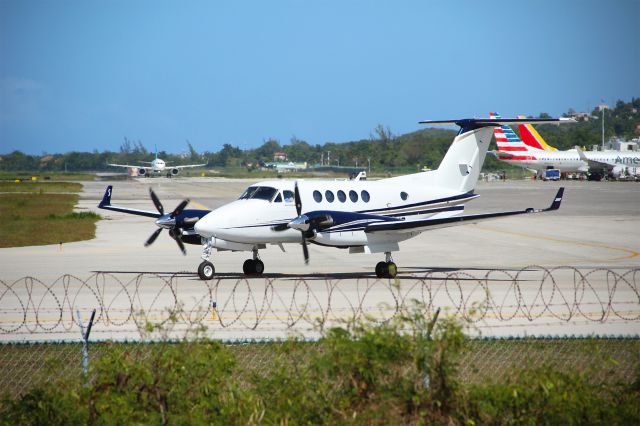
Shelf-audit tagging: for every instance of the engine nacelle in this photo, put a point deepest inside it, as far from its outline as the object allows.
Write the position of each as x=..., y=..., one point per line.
x=617, y=171
x=174, y=171
x=142, y=171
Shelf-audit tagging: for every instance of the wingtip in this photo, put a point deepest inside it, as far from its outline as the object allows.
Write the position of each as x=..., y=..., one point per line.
x=557, y=200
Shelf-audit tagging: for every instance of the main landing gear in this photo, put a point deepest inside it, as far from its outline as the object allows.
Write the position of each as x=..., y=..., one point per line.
x=386, y=269
x=253, y=266
x=206, y=270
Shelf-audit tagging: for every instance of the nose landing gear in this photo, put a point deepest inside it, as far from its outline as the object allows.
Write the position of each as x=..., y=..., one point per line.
x=206, y=270
x=386, y=269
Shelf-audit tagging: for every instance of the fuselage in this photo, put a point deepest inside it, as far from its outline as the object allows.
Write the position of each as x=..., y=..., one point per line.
x=251, y=218
x=569, y=161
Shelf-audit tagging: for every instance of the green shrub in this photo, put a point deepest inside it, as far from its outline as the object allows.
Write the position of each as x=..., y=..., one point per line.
x=404, y=371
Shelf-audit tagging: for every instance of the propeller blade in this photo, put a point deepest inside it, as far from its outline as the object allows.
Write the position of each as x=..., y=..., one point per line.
x=305, y=251
x=296, y=195
x=175, y=234
x=153, y=237
x=156, y=201
x=180, y=207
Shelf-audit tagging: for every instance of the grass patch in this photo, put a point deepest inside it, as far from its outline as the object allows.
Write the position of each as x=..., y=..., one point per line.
x=46, y=177
x=41, y=218
x=40, y=187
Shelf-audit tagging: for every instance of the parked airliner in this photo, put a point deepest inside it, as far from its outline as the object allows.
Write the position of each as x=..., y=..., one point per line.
x=157, y=167
x=362, y=216
x=533, y=153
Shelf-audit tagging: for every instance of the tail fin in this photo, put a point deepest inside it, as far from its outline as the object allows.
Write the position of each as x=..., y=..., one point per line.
x=156, y=147
x=461, y=165
x=532, y=138
x=506, y=139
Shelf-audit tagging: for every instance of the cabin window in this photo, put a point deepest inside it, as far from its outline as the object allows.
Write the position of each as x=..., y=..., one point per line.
x=404, y=195
x=365, y=196
x=317, y=196
x=278, y=198
x=353, y=196
x=288, y=197
x=329, y=196
x=341, y=196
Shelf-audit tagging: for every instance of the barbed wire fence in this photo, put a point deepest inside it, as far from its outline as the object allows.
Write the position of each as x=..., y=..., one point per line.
x=32, y=308
x=41, y=341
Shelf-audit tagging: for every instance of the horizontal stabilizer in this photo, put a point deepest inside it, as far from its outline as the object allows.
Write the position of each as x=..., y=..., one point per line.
x=490, y=122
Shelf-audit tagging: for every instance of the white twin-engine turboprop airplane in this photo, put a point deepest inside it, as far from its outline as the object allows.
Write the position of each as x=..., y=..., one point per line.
x=361, y=215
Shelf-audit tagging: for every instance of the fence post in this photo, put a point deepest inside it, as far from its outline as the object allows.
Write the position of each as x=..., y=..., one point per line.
x=85, y=341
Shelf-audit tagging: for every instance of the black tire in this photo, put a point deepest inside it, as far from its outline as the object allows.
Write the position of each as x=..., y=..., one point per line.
x=392, y=270
x=381, y=270
x=249, y=267
x=206, y=270
x=258, y=267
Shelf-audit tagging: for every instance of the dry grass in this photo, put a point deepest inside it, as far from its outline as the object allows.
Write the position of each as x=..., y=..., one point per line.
x=39, y=187
x=40, y=218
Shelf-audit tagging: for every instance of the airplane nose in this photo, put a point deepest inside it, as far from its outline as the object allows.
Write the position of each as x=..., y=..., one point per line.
x=203, y=226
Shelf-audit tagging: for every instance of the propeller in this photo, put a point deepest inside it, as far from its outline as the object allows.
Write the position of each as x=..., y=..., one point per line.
x=169, y=221
x=307, y=224
x=298, y=201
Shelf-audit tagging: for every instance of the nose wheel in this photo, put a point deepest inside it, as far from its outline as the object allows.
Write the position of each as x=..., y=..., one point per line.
x=206, y=270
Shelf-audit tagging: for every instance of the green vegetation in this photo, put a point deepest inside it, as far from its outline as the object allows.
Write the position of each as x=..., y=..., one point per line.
x=386, y=152
x=39, y=218
x=47, y=177
x=39, y=187
x=405, y=371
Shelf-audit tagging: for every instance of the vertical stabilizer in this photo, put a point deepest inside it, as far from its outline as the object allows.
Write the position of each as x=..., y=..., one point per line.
x=461, y=165
x=532, y=138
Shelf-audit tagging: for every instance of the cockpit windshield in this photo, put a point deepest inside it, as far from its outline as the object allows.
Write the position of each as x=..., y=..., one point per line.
x=259, y=193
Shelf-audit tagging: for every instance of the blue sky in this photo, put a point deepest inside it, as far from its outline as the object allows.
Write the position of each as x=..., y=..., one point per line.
x=82, y=75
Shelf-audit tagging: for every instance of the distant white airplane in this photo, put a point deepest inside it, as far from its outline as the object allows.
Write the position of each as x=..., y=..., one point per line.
x=157, y=167
x=533, y=153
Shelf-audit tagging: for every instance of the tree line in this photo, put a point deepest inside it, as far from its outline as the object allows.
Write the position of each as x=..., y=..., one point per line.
x=382, y=151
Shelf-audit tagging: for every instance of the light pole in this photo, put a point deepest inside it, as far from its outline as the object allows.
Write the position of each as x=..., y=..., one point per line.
x=369, y=161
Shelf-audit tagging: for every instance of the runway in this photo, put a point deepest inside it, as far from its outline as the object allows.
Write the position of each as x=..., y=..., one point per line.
x=596, y=232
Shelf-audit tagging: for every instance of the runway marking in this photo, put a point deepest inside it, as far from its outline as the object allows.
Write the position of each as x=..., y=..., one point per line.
x=631, y=253
x=199, y=206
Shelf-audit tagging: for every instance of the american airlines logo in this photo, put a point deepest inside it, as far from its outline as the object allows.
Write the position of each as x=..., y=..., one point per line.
x=627, y=160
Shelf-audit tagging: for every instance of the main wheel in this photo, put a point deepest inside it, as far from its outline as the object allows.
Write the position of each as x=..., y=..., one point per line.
x=249, y=267
x=392, y=270
x=206, y=270
x=258, y=267
x=381, y=270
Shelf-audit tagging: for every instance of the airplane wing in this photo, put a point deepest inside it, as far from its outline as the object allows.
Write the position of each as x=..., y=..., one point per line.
x=428, y=224
x=593, y=164
x=123, y=165
x=106, y=205
x=187, y=166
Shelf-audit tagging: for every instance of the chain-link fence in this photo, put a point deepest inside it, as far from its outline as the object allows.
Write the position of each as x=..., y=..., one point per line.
x=24, y=365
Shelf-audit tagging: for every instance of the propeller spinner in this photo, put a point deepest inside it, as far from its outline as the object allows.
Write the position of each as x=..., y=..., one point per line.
x=167, y=221
x=307, y=224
